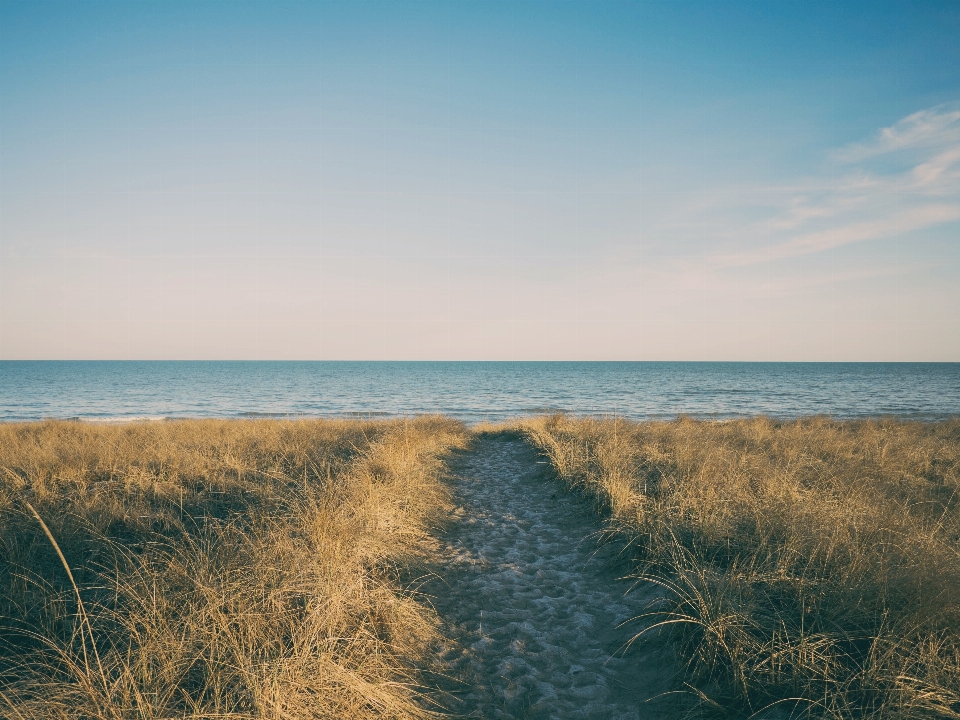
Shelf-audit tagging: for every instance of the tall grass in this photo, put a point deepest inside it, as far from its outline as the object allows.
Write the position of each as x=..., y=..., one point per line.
x=216, y=569
x=812, y=567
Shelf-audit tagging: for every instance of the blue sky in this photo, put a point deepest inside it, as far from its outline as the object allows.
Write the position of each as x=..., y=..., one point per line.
x=480, y=180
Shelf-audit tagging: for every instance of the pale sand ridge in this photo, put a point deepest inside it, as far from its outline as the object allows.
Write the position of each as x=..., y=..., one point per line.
x=535, y=603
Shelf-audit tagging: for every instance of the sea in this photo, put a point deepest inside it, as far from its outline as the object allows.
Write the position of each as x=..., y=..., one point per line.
x=118, y=391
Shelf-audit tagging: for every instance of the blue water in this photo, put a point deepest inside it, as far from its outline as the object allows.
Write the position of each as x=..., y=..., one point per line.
x=32, y=390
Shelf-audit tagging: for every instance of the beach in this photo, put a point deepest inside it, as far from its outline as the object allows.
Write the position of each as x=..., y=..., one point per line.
x=548, y=567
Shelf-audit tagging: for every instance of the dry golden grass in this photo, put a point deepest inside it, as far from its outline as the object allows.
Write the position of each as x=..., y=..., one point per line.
x=222, y=569
x=812, y=567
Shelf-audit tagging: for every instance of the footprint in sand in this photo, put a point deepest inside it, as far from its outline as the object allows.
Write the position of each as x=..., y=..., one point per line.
x=534, y=602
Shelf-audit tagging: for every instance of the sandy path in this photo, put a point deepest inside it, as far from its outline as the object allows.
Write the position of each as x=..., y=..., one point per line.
x=534, y=603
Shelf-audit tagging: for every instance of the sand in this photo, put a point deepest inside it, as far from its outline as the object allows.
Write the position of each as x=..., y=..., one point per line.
x=535, y=602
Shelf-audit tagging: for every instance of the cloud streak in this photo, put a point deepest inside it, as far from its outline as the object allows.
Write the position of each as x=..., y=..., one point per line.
x=926, y=128
x=891, y=225
x=872, y=194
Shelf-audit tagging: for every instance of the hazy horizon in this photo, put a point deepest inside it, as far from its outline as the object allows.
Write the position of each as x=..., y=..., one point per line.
x=480, y=181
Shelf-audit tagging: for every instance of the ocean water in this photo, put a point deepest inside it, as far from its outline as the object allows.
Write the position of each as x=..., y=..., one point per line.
x=473, y=391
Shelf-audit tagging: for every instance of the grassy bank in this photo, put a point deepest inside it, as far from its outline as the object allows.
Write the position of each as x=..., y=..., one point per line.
x=811, y=566
x=200, y=569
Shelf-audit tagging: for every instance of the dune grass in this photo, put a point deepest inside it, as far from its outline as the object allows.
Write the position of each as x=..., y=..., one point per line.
x=217, y=569
x=811, y=568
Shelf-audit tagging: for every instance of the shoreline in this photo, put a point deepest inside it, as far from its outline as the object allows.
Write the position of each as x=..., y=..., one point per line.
x=473, y=421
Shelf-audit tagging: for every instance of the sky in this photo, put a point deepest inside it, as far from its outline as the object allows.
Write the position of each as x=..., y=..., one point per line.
x=480, y=180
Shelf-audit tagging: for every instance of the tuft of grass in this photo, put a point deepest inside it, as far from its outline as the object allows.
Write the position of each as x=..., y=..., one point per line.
x=812, y=567
x=228, y=569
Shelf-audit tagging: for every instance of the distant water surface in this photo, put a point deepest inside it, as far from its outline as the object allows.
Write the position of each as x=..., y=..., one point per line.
x=473, y=391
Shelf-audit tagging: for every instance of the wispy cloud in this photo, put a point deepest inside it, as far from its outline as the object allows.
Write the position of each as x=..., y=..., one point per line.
x=870, y=194
x=926, y=128
x=890, y=225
